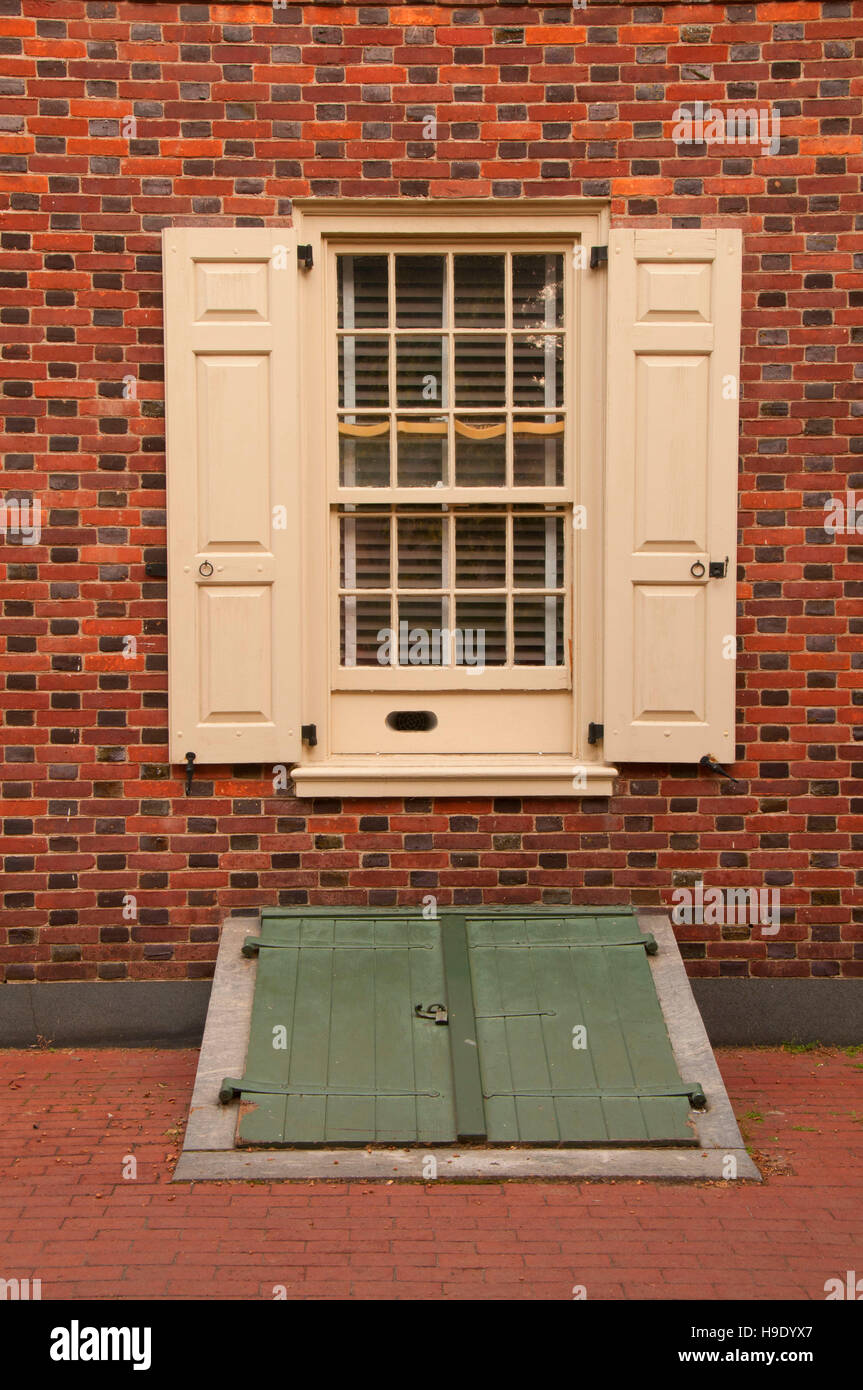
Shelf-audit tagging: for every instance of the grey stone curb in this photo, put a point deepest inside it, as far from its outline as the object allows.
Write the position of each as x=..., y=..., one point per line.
x=208, y=1153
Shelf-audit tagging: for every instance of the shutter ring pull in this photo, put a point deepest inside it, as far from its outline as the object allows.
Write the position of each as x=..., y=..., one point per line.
x=697, y=569
x=206, y=569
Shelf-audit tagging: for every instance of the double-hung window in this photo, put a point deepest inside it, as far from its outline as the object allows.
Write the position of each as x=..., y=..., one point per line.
x=452, y=503
x=440, y=497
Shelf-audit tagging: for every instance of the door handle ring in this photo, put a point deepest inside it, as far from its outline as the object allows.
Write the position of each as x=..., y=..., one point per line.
x=697, y=569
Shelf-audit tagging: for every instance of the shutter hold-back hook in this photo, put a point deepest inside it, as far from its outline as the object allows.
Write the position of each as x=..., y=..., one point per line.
x=709, y=762
x=190, y=772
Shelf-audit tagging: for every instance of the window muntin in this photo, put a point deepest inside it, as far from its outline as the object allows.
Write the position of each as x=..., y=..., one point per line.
x=488, y=581
x=452, y=387
x=451, y=369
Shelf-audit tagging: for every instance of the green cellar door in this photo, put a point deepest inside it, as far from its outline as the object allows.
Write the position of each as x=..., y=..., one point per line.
x=499, y=1027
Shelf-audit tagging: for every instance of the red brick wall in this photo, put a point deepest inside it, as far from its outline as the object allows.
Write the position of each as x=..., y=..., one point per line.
x=239, y=108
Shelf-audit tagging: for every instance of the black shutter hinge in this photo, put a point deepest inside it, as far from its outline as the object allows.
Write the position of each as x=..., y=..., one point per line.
x=190, y=772
x=595, y=732
x=598, y=256
x=309, y=734
x=304, y=257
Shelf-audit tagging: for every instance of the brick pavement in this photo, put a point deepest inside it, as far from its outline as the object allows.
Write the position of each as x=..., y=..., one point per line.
x=72, y=1118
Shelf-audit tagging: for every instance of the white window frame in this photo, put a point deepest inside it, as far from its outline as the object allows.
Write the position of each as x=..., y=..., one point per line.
x=322, y=770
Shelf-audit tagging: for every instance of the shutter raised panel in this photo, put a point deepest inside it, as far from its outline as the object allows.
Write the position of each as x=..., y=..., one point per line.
x=232, y=458
x=671, y=500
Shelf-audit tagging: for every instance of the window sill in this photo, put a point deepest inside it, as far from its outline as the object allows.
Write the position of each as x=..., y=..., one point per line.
x=452, y=775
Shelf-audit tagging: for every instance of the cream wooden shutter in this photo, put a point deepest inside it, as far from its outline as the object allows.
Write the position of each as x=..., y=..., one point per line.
x=233, y=494
x=671, y=500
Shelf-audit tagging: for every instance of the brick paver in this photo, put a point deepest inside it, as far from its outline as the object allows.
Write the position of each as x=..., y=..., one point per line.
x=73, y=1119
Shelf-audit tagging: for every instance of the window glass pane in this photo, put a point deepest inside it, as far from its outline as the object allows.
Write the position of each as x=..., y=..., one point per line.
x=479, y=286
x=538, y=625
x=420, y=552
x=537, y=547
x=362, y=291
x=480, y=452
x=364, y=452
x=420, y=291
x=365, y=552
x=362, y=622
x=419, y=372
x=482, y=623
x=537, y=451
x=422, y=451
x=537, y=291
x=537, y=370
x=419, y=642
x=480, y=371
x=363, y=372
x=480, y=552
